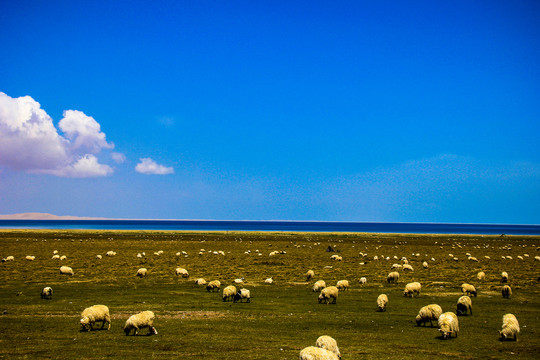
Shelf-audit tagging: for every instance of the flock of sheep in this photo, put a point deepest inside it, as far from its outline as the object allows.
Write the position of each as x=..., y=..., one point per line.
x=325, y=346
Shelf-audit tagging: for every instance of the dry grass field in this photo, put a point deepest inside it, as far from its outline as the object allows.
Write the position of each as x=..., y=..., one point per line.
x=282, y=318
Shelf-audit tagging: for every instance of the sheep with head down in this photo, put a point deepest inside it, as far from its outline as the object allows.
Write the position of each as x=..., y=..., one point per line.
x=310, y=274
x=318, y=286
x=468, y=289
x=316, y=353
x=504, y=277
x=510, y=327
x=393, y=277
x=93, y=314
x=328, y=343
x=140, y=321
x=214, y=285
x=430, y=313
x=47, y=293
x=142, y=272
x=241, y=295
x=382, y=301
x=448, y=325
x=329, y=295
x=464, y=305
x=342, y=285
x=66, y=270
x=412, y=288
x=506, y=291
x=181, y=272
x=229, y=292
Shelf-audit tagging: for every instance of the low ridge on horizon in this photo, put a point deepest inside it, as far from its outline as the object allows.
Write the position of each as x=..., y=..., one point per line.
x=47, y=216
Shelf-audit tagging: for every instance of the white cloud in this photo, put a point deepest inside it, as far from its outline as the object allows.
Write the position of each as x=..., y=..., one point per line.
x=30, y=142
x=118, y=157
x=149, y=166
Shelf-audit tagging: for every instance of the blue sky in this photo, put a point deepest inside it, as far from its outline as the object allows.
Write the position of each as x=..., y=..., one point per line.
x=352, y=111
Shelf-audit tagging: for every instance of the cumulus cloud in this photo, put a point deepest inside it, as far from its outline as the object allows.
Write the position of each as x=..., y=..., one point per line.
x=30, y=142
x=150, y=167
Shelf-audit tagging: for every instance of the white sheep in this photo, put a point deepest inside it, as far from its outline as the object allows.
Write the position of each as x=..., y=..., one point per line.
x=47, y=293
x=425, y=265
x=181, y=272
x=239, y=281
x=472, y=258
x=110, y=253
x=382, y=301
x=213, y=285
x=66, y=270
x=99, y=257
x=464, y=304
x=55, y=257
x=200, y=281
x=506, y=291
x=342, y=285
x=269, y=281
x=393, y=277
x=242, y=294
x=94, y=314
x=468, y=289
x=328, y=343
x=407, y=267
x=510, y=327
x=229, y=292
x=329, y=295
x=139, y=321
x=316, y=353
x=310, y=274
x=481, y=276
x=504, y=277
x=318, y=286
x=448, y=325
x=412, y=288
x=63, y=257
x=362, y=281
x=142, y=272
x=8, y=258
x=396, y=266
x=429, y=313
x=30, y=257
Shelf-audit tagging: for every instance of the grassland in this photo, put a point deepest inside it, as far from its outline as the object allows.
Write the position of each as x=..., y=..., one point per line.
x=282, y=318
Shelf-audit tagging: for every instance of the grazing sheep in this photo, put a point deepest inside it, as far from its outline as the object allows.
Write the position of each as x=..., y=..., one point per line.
x=429, y=313
x=98, y=257
x=142, y=272
x=269, y=281
x=182, y=272
x=393, y=277
x=241, y=295
x=315, y=353
x=425, y=265
x=382, y=301
x=448, y=325
x=342, y=285
x=55, y=257
x=310, y=274
x=229, y=292
x=200, y=281
x=412, y=288
x=139, y=321
x=396, y=266
x=506, y=291
x=510, y=327
x=464, y=304
x=407, y=267
x=66, y=270
x=63, y=257
x=213, y=285
x=110, y=253
x=318, y=286
x=362, y=281
x=481, y=276
x=93, y=314
x=55, y=252
x=504, y=277
x=47, y=293
x=239, y=281
x=8, y=258
x=30, y=257
x=327, y=294
x=328, y=343
x=468, y=289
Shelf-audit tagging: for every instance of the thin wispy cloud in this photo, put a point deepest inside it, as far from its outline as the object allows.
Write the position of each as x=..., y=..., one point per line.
x=148, y=166
x=30, y=142
x=118, y=157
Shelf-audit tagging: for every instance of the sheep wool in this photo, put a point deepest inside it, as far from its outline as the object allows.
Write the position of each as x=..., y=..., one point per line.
x=316, y=353
x=8, y=258
x=464, y=305
x=200, y=281
x=506, y=291
x=429, y=313
x=412, y=288
x=393, y=277
x=182, y=272
x=318, y=286
x=362, y=280
x=448, y=325
x=329, y=295
x=425, y=265
x=510, y=327
x=407, y=267
x=481, y=276
x=142, y=272
x=139, y=321
x=213, y=285
x=310, y=274
x=30, y=257
x=504, y=277
x=382, y=301
x=269, y=281
x=342, y=285
x=242, y=294
x=66, y=270
x=47, y=293
x=93, y=314
x=468, y=289
x=229, y=292
x=328, y=343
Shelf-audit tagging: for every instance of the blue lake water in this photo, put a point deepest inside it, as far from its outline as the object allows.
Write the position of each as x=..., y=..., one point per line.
x=308, y=226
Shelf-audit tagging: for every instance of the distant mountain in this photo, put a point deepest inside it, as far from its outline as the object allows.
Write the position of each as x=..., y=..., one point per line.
x=45, y=216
